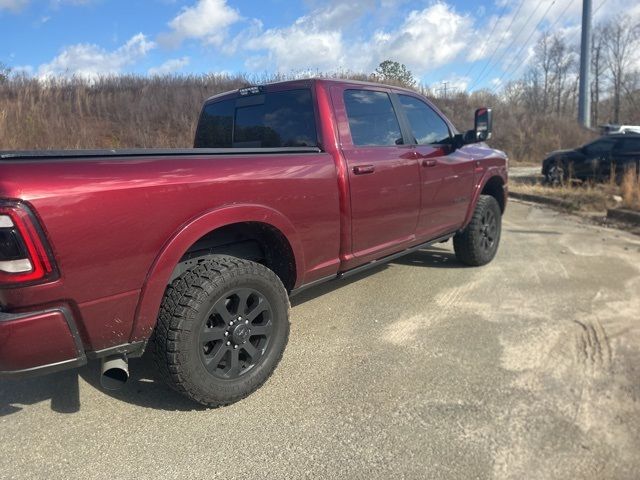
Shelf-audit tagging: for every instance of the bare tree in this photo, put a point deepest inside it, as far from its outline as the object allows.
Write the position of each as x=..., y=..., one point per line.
x=621, y=40
x=545, y=64
x=548, y=85
x=562, y=59
x=4, y=72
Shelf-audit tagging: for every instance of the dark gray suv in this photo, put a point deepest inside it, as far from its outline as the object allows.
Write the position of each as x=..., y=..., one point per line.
x=595, y=160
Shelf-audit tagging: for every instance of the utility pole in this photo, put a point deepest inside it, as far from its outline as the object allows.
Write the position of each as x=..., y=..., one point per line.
x=443, y=89
x=584, y=102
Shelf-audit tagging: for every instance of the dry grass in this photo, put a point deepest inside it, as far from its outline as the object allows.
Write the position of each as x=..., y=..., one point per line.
x=583, y=198
x=630, y=189
x=110, y=113
x=113, y=112
x=589, y=197
x=131, y=111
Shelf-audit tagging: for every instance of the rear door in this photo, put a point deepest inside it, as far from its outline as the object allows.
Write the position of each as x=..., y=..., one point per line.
x=384, y=176
x=626, y=154
x=446, y=176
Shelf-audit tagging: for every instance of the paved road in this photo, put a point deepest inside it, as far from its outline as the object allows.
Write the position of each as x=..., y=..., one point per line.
x=526, y=368
x=527, y=171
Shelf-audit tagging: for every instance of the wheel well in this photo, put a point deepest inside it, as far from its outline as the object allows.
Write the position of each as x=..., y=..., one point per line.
x=495, y=188
x=255, y=241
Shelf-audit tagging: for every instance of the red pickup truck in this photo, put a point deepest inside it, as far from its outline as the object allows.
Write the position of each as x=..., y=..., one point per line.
x=195, y=252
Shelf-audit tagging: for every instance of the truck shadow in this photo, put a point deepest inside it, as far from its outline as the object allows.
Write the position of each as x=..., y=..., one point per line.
x=144, y=388
x=431, y=257
x=62, y=389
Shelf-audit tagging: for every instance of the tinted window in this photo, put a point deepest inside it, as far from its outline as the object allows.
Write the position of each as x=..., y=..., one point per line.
x=372, y=120
x=278, y=119
x=427, y=126
x=215, y=126
x=599, y=147
x=629, y=145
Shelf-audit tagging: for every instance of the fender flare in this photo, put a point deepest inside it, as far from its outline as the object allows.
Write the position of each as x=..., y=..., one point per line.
x=490, y=173
x=186, y=235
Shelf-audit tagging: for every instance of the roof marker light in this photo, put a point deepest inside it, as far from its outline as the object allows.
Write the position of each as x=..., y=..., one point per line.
x=251, y=90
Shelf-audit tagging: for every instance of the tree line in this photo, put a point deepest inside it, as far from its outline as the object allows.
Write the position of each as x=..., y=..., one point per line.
x=550, y=84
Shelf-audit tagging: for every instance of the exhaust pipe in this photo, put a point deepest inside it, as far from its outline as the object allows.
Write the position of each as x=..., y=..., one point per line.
x=115, y=372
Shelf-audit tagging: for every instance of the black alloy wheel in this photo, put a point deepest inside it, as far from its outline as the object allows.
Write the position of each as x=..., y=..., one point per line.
x=236, y=333
x=488, y=230
x=556, y=174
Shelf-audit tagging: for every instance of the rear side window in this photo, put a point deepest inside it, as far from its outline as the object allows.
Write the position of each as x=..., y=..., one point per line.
x=629, y=145
x=372, y=120
x=427, y=126
x=271, y=120
x=215, y=127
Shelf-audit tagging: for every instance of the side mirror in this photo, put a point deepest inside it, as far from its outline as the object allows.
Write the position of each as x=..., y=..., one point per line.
x=483, y=124
x=469, y=137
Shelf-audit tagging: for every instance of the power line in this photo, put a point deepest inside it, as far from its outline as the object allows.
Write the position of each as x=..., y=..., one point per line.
x=518, y=67
x=502, y=38
x=525, y=44
x=516, y=56
x=484, y=47
x=513, y=41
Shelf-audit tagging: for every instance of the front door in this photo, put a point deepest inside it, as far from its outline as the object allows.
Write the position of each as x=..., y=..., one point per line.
x=597, y=159
x=446, y=176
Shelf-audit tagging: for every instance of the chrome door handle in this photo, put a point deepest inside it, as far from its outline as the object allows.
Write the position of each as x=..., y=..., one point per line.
x=363, y=169
x=429, y=163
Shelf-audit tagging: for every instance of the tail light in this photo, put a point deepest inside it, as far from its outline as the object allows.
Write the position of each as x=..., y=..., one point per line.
x=24, y=254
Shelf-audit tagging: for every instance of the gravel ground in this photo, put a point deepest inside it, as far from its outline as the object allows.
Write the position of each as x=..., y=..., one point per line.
x=526, y=368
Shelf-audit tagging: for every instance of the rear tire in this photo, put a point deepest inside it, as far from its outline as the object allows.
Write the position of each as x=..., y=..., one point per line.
x=478, y=243
x=222, y=329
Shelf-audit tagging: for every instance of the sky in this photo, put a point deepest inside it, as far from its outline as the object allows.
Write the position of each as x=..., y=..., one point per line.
x=468, y=44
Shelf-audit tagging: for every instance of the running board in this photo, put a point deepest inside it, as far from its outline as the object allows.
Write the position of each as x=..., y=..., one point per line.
x=371, y=264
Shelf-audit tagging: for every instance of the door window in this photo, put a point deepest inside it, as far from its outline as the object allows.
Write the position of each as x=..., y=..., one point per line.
x=372, y=119
x=427, y=126
x=628, y=145
x=599, y=147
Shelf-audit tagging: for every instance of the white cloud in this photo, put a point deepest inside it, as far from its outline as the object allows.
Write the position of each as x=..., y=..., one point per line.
x=170, y=66
x=90, y=61
x=13, y=5
x=427, y=39
x=207, y=20
x=300, y=46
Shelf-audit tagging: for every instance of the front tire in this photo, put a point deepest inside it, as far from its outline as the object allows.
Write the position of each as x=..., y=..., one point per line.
x=556, y=174
x=478, y=243
x=222, y=330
